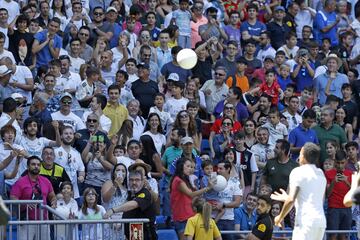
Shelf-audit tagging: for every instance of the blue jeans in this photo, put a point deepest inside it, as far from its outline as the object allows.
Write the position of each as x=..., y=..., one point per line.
x=184, y=41
x=225, y=225
x=165, y=197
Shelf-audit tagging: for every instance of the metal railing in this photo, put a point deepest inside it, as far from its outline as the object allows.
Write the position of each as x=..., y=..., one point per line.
x=26, y=224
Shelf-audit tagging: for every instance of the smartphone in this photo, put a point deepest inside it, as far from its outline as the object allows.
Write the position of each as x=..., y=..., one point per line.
x=101, y=138
x=94, y=138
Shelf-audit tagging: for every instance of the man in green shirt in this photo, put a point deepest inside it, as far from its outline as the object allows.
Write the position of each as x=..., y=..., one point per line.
x=327, y=131
x=277, y=170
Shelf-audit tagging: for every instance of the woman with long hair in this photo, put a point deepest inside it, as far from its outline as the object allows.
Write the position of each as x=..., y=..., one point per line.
x=223, y=140
x=164, y=8
x=150, y=156
x=249, y=130
x=144, y=39
x=58, y=10
x=185, y=121
x=121, y=52
x=125, y=133
x=114, y=193
x=90, y=210
x=236, y=171
x=102, y=45
x=201, y=226
x=182, y=193
x=340, y=115
x=154, y=129
x=192, y=92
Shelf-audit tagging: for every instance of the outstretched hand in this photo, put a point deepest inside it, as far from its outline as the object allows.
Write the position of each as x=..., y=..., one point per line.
x=279, y=196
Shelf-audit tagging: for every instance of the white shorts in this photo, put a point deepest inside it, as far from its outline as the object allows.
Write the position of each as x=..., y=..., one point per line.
x=308, y=233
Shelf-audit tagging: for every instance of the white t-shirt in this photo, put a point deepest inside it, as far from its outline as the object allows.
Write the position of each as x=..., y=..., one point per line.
x=69, y=120
x=22, y=167
x=227, y=195
x=34, y=147
x=4, y=119
x=166, y=119
x=84, y=90
x=309, y=201
x=173, y=106
x=71, y=82
x=13, y=9
x=159, y=140
x=6, y=53
x=105, y=122
x=125, y=160
x=76, y=63
x=21, y=73
x=139, y=125
x=276, y=132
x=117, y=55
x=289, y=53
x=72, y=163
x=89, y=231
x=293, y=121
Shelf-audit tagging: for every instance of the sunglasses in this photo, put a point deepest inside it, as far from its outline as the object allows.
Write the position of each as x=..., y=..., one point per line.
x=228, y=108
x=184, y=116
x=226, y=123
x=84, y=34
x=92, y=121
x=66, y=102
x=219, y=74
x=98, y=14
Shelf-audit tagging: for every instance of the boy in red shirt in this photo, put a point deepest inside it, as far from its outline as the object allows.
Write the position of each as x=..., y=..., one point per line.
x=270, y=87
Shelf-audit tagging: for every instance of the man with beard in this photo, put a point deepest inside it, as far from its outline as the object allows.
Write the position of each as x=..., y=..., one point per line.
x=31, y=143
x=263, y=228
x=139, y=205
x=32, y=186
x=69, y=79
x=92, y=128
x=263, y=109
x=70, y=159
x=277, y=170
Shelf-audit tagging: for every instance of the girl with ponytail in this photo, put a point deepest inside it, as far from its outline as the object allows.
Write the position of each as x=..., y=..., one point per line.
x=201, y=226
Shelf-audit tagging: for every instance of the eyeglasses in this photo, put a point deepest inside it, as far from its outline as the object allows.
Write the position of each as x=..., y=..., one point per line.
x=98, y=13
x=91, y=194
x=84, y=34
x=226, y=123
x=92, y=121
x=228, y=108
x=144, y=36
x=66, y=102
x=198, y=8
x=147, y=55
x=219, y=74
x=184, y=116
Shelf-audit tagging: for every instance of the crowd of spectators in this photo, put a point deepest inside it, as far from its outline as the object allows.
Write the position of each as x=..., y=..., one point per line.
x=97, y=115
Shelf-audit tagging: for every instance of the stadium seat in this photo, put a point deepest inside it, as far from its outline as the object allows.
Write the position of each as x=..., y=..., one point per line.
x=168, y=234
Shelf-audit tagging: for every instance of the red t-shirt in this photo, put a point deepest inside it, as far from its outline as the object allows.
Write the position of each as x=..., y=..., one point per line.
x=272, y=91
x=340, y=188
x=216, y=127
x=180, y=203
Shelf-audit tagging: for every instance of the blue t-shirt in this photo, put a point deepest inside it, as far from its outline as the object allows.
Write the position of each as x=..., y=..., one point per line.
x=254, y=30
x=283, y=82
x=43, y=57
x=114, y=41
x=323, y=19
x=183, y=19
x=303, y=79
x=299, y=136
x=241, y=217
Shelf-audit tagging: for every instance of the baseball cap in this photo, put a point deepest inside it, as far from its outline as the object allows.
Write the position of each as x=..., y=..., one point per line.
x=66, y=94
x=173, y=77
x=303, y=51
x=16, y=95
x=143, y=65
x=109, y=9
x=241, y=60
x=269, y=57
x=280, y=8
x=4, y=70
x=186, y=140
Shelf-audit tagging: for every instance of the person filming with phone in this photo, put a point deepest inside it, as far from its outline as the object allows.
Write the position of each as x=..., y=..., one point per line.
x=339, y=217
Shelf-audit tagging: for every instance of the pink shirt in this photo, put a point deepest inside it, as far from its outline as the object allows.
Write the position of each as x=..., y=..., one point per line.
x=23, y=190
x=180, y=203
x=195, y=36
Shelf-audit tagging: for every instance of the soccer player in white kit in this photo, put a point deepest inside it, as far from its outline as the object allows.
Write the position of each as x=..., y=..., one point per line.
x=307, y=185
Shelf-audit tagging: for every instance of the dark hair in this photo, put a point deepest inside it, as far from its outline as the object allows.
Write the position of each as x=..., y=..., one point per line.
x=346, y=85
x=192, y=104
x=352, y=144
x=113, y=87
x=227, y=164
x=293, y=96
x=340, y=155
x=133, y=60
x=266, y=198
x=55, y=62
x=113, y=173
x=148, y=147
x=55, y=19
x=91, y=70
x=211, y=10
x=66, y=183
x=150, y=13
x=133, y=141
x=181, y=131
x=9, y=105
x=30, y=120
x=253, y=6
x=206, y=163
x=354, y=71
x=270, y=71
x=311, y=153
x=285, y=145
x=237, y=91
x=22, y=18
x=274, y=110
x=85, y=206
x=309, y=113
x=332, y=98
x=291, y=85
x=280, y=52
x=147, y=126
x=290, y=35
x=122, y=72
x=179, y=172
x=32, y=158
x=101, y=99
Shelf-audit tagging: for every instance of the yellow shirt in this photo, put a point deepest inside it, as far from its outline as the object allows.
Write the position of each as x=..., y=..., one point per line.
x=117, y=114
x=195, y=227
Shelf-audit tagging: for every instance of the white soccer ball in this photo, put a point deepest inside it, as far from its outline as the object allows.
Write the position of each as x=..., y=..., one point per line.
x=186, y=58
x=221, y=183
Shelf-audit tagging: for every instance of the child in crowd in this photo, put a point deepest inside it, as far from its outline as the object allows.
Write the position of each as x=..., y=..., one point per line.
x=177, y=102
x=280, y=59
x=265, y=189
x=165, y=116
x=352, y=150
x=251, y=100
x=277, y=129
x=119, y=151
x=210, y=196
x=305, y=100
x=182, y=18
x=270, y=87
x=290, y=47
x=289, y=92
x=283, y=77
x=328, y=164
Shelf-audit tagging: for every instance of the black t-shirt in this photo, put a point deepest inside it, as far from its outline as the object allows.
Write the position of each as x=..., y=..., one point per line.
x=145, y=93
x=81, y=142
x=277, y=34
x=203, y=70
x=263, y=228
x=146, y=209
x=21, y=41
x=243, y=157
x=352, y=110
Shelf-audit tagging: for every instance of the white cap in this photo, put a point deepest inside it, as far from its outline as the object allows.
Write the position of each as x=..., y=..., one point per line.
x=4, y=70
x=111, y=9
x=173, y=77
x=186, y=140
